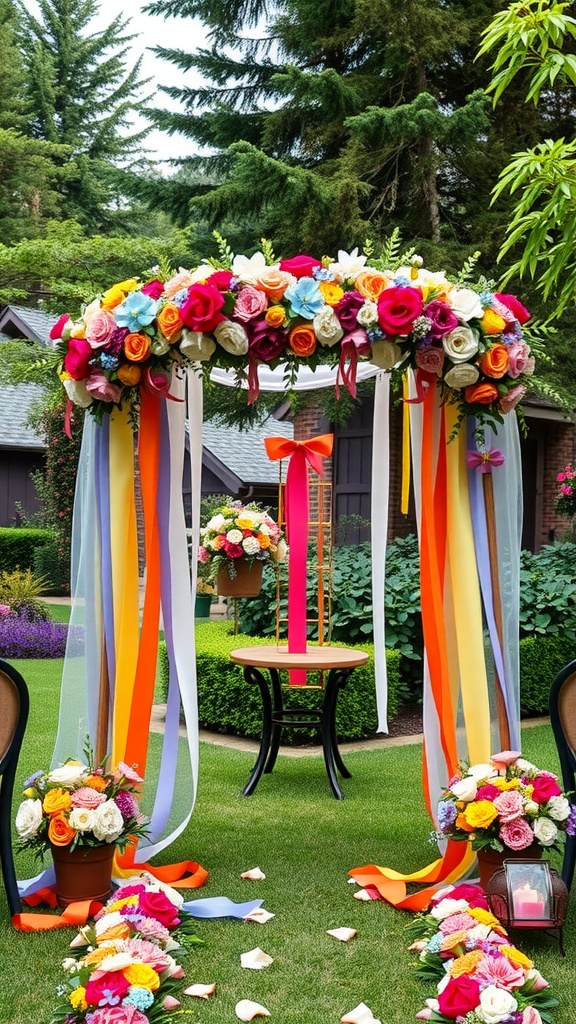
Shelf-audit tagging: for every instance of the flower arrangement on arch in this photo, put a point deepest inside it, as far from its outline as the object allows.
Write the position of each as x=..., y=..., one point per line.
x=481, y=977
x=236, y=531
x=242, y=311
x=506, y=804
x=566, y=499
x=80, y=805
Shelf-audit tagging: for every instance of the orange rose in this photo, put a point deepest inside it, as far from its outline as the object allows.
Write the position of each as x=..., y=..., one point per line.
x=273, y=283
x=494, y=362
x=129, y=374
x=492, y=323
x=169, y=322
x=371, y=283
x=96, y=782
x=463, y=824
x=56, y=800
x=60, y=833
x=137, y=347
x=302, y=340
x=263, y=540
x=483, y=393
x=275, y=316
x=332, y=292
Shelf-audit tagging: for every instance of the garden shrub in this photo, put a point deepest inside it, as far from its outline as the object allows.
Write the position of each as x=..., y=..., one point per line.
x=53, y=568
x=20, y=590
x=541, y=658
x=228, y=704
x=17, y=546
x=548, y=591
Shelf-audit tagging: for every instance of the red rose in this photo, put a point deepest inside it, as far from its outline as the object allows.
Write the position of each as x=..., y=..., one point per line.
x=201, y=311
x=460, y=997
x=515, y=306
x=300, y=266
x=157, y=905
x=221, y=280
x=544, y=788
x=398, y=309
x=78, y=356
x=56, y=332
x=154, y=289
x=473, y=894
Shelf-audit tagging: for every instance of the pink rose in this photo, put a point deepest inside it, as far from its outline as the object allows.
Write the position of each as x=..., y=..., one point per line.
x=518, y=354
x=100, y=328
x=106, y=981
x=250, y=302
x=100, y=387
x=544, y=788
x=515, y=306
x=154, y=289
x=487, y=792
x=509, y=806
x=460, y=997
x=300, y=266
x=77, y=358
x=517, y=834
x=233, y=550
x=220, y=279
x=156, y=904
x=118, y=1015
x=531, y=1016
x=473, y=894
x=398, y=309
x=88, y=798
x=201, y=311
x=430, y=359
x=444, y=321
x=510, y=401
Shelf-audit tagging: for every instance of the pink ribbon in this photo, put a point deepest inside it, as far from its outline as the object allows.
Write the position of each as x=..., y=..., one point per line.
x=300, y=454
x=353, y=346
x=253, y=381
x=68, y=419
x=484, y=458
x=423, y=379
x=158, y=383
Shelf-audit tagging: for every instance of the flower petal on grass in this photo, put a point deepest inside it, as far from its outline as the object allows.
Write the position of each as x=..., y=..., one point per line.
x=254, y=875
x=363, y=895
x=200, y=991
x=255, y=959
x=361, y=1014
x=259, y=915
x=246, y=1010
x=343, y=934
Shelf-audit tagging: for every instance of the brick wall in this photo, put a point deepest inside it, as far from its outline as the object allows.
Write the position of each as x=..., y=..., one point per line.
x=559, y=449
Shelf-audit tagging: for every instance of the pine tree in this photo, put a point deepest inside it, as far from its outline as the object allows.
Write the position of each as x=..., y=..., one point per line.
x=12, y=114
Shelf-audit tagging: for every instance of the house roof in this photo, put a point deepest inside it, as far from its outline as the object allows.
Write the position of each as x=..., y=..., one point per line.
x=15, y=403
x=23, y=322
x=241, y=455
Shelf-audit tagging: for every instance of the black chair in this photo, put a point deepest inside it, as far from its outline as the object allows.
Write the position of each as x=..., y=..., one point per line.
x=14, y=706
x=563, y=721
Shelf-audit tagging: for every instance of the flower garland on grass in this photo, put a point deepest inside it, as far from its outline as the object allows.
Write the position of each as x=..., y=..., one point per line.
x=482, y=978
x=125, y=968
x=243, y=311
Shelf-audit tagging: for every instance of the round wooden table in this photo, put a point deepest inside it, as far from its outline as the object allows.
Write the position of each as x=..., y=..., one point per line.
x=338, y=662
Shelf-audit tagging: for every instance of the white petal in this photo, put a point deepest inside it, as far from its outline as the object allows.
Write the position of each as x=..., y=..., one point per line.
x=200, y=991
x=363, y=895
x=254, y=875
x=255, y=959
x=343, y=934
x=361, y=1014
x=246, y=1010
x=259, y=915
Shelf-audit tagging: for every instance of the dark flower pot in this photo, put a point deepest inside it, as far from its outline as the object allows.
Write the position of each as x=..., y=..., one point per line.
x=202, y=606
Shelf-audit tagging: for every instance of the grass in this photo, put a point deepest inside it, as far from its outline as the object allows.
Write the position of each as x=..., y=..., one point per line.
x=305, y=842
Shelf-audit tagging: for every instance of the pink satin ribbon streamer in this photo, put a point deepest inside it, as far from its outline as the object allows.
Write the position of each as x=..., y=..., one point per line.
x=423, y=380
x=353, y=346
x=484, y=459
x=300, y=454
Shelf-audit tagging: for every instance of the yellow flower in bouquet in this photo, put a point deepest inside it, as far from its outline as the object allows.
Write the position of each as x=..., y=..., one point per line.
x=480, y=814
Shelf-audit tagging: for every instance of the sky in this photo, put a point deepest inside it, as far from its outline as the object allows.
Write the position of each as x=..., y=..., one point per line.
x=176, y=33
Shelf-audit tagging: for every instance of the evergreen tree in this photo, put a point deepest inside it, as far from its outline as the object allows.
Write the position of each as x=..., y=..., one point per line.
x=12, y=114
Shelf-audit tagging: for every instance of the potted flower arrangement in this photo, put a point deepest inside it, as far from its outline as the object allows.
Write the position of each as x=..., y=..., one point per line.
x=235, y=543
x=204, y=594
x=80, y=813
x=566, y=498
x=506, y=807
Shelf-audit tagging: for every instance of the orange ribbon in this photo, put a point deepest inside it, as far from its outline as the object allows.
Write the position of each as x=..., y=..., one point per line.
x=315, y=449
x=74, y=916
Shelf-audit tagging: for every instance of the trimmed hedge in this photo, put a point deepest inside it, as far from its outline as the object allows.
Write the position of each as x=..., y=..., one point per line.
x=541, y=658
x=18, y=544
x=53, y=568
x=227, y=704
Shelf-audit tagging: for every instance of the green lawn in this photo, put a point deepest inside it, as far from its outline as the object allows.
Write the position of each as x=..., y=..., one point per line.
x=305, y=842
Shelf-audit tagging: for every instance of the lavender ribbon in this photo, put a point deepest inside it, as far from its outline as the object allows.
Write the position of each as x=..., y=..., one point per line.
x=220, y=906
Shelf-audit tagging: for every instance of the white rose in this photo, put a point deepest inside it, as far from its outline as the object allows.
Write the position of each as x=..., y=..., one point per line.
x=216, y=523
x=385, y=354
x=28, y=818
x=448, y=907
x=367, y=315
x=264, y=528
x=91, y=309
x=525, y=765
x=558, y=807
x=249, y=270
x=82, y=819
x=461, y=375
x=348, y=265
x=531, y=807
x=465, y=789
x=78, y=393
x=545, y=831
x=108, y=822
x=327, y=327
x=466, y=304
x=461, y=344
x=251, y=545
x=495, y=1005
x=197, y=346
x=202, y=273
x=69, y=775
x=482, y=771
x=232, y=337
x=234, y=536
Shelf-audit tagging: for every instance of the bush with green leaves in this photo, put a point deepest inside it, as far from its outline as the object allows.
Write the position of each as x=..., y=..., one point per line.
x=548, y=592
x=53, y=567
x=17, y=546
x=228, y=704
x=541, y=658
x=20, y=590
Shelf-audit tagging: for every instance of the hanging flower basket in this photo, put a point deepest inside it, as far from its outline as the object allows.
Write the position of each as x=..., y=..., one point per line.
x=246, y=582
x=84, y=873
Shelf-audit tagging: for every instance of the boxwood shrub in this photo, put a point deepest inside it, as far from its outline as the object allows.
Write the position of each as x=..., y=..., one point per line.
x=541, y=658
x=17, y=546
x=227, y=704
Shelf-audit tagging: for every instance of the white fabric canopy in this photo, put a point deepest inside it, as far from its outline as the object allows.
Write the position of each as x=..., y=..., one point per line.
x=307, y=379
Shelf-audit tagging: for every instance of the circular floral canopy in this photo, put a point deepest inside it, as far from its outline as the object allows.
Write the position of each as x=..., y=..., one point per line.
x=245, y=311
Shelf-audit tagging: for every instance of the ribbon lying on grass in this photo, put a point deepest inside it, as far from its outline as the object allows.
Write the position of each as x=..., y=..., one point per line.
x=297, y=506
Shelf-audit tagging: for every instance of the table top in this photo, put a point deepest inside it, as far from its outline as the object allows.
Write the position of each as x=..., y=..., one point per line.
x=276, y=656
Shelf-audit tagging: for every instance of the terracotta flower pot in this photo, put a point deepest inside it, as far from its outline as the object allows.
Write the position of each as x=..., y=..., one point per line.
x=490, y=860
x=246, y=583
x=84, y=873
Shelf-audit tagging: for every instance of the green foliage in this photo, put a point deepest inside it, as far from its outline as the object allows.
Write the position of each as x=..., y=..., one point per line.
x=53, y=568
x=541, y=658
x=20, y=589
x=12, y=80
x=548, y=592
x=227, y=704
x=29, y=194
x=17, y=546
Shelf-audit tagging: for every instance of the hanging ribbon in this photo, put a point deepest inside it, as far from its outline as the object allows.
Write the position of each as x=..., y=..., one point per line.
x=352, y=347
x=424, y=382
x=484, y=459
x=253, y=380
x=300, y=453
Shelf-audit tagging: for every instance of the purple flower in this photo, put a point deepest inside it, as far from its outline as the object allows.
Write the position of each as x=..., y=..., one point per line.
x=22, y=638
x=443, y=319
x=571, y=822
x=127, y=805
x=32, y=778
x=447, y=815
x=347, y=310
x=265, y=342
x=115, y=345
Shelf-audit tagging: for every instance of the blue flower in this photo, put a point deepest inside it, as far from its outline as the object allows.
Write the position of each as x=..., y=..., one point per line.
x=323, y=274
x=32, y=778
x=486, y=298
x=402, y=282
x=447, y=815
x=435, y=943
x=305, y=298
x=108, y=362
x=139, y=997
x=136, y=311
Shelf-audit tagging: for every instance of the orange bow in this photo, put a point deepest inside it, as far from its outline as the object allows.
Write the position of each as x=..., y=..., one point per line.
x=315, y=449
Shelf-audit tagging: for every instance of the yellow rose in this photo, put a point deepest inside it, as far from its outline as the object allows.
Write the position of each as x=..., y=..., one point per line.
x=128, y=286
x=517, y=957
x=113, y=297
x=78, y=998
x=484, y=917
x=480, y=813
x=492, y=323
x=332, y=292
x=129, y=374
x=275, y=316
x=245, y=523
x=143, y=976
x=56, y=800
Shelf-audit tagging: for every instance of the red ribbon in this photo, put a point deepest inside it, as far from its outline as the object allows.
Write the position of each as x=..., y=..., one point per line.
x=300, y=454
x=353, y=346
x=484, y=459
x=423, y=380
x=253, y=381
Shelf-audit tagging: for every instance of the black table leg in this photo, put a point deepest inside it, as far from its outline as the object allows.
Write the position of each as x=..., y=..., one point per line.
x=343, y=676
x=252, y=675
x=277, y=710
x=337, y=678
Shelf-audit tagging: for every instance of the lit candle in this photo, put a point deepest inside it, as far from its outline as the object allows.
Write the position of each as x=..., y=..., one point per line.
x=527, y=903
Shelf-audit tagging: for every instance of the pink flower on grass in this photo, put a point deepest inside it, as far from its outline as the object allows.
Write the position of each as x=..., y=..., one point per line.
x=456, y=923
x=116, y=1015
x=500, y=971
x=145, y=952
x=517, y=835
x=509, y=805
x=152, y=929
